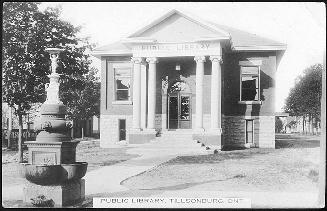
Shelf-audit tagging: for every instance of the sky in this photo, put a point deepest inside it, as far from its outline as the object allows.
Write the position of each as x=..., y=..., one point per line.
x=299, y=25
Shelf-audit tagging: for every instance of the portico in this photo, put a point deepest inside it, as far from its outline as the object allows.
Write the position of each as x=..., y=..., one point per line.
x=145, y=71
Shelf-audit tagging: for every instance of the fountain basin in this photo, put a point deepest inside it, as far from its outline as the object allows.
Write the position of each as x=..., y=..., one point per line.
x=53, y=174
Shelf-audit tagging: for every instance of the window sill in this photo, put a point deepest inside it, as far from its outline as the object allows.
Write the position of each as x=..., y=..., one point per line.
x=122, y=102
x=250, y=102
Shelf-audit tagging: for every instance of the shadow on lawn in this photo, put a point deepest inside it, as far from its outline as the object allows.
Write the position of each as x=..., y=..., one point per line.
x=190, y=184
x=296, y=141
x=216, y=158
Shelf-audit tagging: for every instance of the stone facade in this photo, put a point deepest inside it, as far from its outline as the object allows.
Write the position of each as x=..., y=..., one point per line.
x=234, y=131
x=109, y=132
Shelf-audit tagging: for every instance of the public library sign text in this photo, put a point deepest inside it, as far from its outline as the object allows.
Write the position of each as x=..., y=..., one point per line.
x=177, y=49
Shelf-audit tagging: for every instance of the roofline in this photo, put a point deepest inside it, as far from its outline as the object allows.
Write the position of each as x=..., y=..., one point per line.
x=170, y=13
x=211, y=39
x=154, y=41
x=260, y=48
x=111, y=53
x=282, y=114
x=138, y=40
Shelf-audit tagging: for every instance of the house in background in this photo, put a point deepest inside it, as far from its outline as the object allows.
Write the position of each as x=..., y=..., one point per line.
x=283, y=117
x=183, y=75
x=299, y=124
x=91, y=128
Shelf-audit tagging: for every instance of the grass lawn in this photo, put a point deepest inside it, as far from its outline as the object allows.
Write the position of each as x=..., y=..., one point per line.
x=87, y=151
x=292, y=166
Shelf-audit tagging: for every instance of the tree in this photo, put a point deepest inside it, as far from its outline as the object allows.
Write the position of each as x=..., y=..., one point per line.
x=304, y=97
x=84, y=103
x=26, y=33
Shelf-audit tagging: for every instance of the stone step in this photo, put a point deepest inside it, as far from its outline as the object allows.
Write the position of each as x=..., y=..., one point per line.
x=175, y=142
x=174, y=139
x=173, y=145
x=176, y=135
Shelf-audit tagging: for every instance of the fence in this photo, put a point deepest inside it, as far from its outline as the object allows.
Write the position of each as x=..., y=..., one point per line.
x=28, y=135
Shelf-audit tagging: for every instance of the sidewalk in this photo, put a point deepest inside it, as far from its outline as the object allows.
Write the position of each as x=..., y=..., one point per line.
x=108, y=179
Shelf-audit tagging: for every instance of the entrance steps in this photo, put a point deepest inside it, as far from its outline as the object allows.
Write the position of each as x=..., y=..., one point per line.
x=179, y=142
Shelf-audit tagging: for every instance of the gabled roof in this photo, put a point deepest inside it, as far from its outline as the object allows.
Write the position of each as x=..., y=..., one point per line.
x=244, y=40
x=116, y=48
x=239, y=40
x=183, y=14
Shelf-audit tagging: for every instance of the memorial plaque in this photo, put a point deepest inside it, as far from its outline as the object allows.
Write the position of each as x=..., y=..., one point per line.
x=44, y=158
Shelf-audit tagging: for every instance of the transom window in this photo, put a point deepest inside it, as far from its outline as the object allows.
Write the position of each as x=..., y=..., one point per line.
x=250, y=83
x=122, y=78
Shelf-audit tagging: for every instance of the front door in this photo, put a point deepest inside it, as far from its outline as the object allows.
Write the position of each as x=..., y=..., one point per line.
x=179, y=111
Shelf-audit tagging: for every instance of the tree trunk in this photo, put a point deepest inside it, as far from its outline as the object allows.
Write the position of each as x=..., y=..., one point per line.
x=20, y=138
x=82, y=132
x=9, y=127
x=314, y=131
x=309, y=125
x=303, y=125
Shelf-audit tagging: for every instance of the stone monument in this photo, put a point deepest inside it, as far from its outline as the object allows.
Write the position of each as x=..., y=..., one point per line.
x=52, y=171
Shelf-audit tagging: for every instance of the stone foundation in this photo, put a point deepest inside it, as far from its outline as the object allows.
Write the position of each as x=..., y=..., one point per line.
x=109, y=131
x=210, y=139
x=234, y=131
x=141, y=137
x=69, y=193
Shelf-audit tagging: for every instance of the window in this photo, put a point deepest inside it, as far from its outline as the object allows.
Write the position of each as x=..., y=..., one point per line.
x=122, y=83
x=122, y=129
x=250, y=83
x=249, y=131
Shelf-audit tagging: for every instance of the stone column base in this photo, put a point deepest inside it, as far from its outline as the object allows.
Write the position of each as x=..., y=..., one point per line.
x=141, y=137
x=69, y=193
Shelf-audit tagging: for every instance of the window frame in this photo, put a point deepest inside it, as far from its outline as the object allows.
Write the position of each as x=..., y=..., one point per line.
x=119, y=137
x=122, y=65
x=246, y=132
x=243, y=64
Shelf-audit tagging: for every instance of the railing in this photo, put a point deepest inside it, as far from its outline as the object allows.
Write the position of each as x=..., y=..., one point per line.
x=28, y=135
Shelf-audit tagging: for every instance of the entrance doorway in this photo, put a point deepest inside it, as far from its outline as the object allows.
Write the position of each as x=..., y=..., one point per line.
x=179, y=106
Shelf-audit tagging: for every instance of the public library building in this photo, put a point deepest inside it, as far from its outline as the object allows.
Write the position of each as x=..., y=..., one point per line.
x=179, y=75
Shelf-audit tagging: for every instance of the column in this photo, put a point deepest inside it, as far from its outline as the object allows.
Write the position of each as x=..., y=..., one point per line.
x=143, y=95
x=136, y=93
x=216, y=92
x=199, y=91
x=152, y=92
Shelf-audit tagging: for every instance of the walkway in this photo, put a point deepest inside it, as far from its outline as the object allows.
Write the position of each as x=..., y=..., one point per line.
x=108, y=178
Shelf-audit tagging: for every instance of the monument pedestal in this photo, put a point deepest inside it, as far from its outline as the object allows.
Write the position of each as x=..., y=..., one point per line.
x=51, y=153
x=68, y=193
